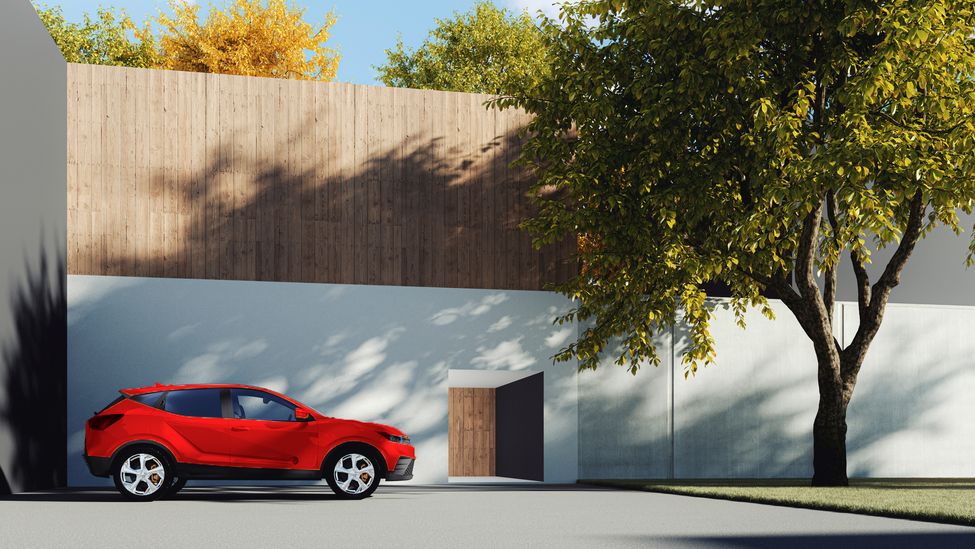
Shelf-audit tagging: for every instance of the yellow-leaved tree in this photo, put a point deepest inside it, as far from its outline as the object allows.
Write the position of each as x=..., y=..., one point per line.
x=249, y=38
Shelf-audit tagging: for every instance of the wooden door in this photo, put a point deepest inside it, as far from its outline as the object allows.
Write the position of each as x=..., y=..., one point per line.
x=471, y=431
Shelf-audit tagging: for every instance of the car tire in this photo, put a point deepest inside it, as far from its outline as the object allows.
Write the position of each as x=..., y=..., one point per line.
x=352, y=473
x=175, y=487
x=143, y=473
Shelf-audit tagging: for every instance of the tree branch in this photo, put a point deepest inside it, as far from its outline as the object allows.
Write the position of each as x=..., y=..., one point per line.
x=805, y=280
x=872, y=314
x=778, y=282
x=912, y=233
x=903, y=126
x=863, y=282
x=829, y=292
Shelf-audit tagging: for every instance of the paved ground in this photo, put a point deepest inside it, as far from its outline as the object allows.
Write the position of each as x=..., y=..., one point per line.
x=434, y=517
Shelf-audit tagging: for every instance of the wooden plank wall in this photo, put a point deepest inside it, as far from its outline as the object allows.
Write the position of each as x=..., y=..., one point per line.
x=471, y=432
x=190, y=175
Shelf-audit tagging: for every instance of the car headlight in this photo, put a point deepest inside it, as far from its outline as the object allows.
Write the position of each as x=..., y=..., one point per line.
x=397, y=438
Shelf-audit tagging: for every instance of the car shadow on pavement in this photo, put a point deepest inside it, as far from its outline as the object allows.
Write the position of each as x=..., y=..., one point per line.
x=291, y=493
x=812, y=541
x=500, y=487
x=189, y=493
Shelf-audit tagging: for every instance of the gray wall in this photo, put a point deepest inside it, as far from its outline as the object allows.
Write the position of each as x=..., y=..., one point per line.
x=374, y=353
x=32, y=173
x=934, y=275
x=750, y=413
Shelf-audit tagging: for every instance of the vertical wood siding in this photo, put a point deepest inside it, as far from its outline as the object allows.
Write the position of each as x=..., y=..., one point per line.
x=190, y=175
x=471, y=432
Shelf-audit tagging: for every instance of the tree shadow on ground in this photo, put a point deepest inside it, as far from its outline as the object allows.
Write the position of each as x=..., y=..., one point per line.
x=811, y=541
x=36, y=379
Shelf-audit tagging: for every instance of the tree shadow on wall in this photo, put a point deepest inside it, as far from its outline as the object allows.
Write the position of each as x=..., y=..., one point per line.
x=35, y=380
x=343, y=228
x=764, y=429
x=420, y=210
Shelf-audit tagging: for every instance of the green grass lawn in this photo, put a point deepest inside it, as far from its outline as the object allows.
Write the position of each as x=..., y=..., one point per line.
x=950, y=500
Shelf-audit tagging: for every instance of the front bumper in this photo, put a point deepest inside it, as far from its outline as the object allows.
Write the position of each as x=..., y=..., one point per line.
x=98, y=466
x=403, y=470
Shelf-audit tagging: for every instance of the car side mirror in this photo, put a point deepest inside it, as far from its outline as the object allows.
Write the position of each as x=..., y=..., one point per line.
x=302, y=415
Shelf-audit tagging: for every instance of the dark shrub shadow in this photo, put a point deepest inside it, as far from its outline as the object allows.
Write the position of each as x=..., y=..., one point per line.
x=35, y=379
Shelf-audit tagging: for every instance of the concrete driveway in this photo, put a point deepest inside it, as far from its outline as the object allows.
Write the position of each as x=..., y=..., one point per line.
x=432, y=517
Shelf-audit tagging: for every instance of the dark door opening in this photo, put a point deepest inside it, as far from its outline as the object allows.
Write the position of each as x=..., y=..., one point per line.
x=498, y=432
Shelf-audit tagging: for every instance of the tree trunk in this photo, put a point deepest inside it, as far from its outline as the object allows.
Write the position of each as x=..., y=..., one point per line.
x=829, y=441
x=838, y=369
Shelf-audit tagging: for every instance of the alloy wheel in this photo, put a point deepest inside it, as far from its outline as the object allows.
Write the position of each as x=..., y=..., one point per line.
x=142, y=474
x=354, y=473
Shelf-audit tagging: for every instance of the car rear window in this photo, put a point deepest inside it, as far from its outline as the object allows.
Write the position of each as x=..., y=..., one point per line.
x=194, y=402
x=149, y=399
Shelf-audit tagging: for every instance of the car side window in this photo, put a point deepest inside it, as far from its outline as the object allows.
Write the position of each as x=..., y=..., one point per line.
x=149, y=399
x=253, y=404
x=194, y=402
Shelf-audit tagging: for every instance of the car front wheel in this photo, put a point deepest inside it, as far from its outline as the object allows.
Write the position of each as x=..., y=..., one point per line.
x=143, y=474
x=352, y=475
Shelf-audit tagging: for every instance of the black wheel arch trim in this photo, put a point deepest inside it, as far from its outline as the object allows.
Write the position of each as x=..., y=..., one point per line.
x=162, y=447
x=98, y=466
x=365, y=448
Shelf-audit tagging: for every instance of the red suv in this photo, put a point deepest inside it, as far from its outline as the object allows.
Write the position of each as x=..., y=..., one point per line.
x=152, y=440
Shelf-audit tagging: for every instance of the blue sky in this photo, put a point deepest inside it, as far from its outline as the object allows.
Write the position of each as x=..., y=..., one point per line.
x=365, y=29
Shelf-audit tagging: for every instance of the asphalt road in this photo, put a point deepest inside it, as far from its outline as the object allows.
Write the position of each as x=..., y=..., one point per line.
x=433, y=517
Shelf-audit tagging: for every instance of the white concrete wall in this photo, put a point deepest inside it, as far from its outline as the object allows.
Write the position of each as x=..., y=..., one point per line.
x=374, y=353
x=913, y=410
x=625, y=420
x=33, y=169
x=750, y=414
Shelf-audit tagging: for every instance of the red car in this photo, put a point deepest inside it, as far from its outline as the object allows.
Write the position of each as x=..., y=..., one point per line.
x=153, y=439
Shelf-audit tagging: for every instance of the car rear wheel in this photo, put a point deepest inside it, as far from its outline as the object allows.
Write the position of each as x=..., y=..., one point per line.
x=143, y=474
x=175, y=487
x=352, y=474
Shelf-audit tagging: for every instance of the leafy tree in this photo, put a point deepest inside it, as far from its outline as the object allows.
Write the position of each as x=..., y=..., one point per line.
x=248, y=37
x=487, y=50
x=104, y=41
x=752, y=142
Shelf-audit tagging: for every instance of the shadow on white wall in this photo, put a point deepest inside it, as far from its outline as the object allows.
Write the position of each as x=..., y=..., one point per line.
x=750, y=414
x=373, y=353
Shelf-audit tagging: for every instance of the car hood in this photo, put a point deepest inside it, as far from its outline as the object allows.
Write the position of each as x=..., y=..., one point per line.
x=377, y=426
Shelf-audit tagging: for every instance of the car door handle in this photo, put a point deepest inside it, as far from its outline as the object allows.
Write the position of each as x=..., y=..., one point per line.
x=239, y=429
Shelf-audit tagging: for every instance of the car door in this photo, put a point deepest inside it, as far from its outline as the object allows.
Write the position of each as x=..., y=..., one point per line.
x=192, y=422
x=265, y=434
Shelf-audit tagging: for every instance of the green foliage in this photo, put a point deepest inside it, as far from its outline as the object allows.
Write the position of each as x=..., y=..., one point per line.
x=104, y=41
x=487, y=50
x=750, y=142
